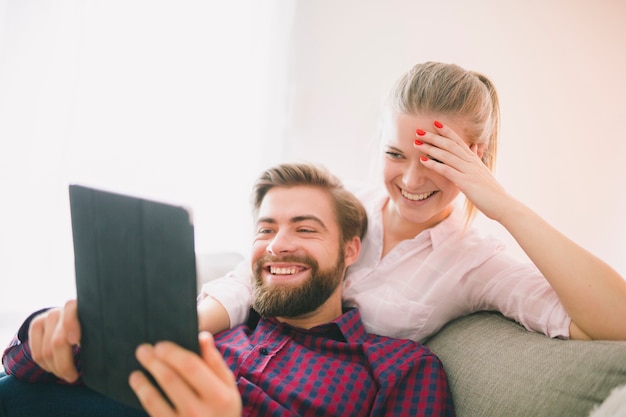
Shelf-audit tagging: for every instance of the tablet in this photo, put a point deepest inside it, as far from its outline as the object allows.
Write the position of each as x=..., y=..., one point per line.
x=135, y=282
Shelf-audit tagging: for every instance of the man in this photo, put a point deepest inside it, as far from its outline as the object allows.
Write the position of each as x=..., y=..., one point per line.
x=301, y=354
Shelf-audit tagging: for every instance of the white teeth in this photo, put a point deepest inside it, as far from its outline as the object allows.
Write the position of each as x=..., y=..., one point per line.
x=417, y=197
x=283, y=271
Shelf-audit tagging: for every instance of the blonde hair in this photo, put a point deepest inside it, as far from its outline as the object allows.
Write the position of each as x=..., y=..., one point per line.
x=435, y=87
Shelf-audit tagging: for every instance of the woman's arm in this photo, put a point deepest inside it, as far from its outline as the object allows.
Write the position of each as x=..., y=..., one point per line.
x=592, y=293
x=212, y=316
x=225, y=302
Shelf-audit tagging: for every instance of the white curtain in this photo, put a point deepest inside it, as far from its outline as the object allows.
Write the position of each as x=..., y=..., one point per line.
x=172, y=100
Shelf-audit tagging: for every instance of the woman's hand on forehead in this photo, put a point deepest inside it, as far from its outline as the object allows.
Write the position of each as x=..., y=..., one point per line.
x=446, y=153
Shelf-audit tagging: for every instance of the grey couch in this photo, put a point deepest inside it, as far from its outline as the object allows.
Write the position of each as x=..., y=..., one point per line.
x=497, y=368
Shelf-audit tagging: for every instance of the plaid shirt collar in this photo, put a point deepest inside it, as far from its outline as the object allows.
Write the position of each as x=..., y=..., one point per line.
x=347, y=328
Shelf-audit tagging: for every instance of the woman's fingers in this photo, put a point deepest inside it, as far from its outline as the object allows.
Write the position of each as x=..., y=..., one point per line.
x=445, y=145
x=461, y=164
x=452, y=159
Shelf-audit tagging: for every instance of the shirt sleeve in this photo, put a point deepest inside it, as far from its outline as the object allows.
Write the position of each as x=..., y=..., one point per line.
x=520, y=292
x=17, y=359
x=418, y=386
x=233, y=291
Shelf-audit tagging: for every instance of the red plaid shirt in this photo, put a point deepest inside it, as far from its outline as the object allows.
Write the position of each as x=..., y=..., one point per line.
x=330, y=370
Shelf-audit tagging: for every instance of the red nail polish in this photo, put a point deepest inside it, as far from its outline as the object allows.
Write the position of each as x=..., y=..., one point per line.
x=424, y=158
x=420, y=132
x=418, y=142
x=438, y=124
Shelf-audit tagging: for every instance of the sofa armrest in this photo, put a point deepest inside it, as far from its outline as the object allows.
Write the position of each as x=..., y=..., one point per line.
x=497, y=368
x=212, y=265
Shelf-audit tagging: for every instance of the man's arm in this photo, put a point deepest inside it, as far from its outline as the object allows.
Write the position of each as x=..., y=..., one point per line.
x=195, y=385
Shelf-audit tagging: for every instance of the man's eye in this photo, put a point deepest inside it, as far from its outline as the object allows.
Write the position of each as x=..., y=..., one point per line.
x=306, y=230
x=264, y=231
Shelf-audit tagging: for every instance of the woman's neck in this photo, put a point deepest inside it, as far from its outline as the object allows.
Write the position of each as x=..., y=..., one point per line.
x=397, y=229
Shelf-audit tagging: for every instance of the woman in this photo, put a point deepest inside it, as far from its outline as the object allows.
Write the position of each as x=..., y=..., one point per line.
x=422, y=263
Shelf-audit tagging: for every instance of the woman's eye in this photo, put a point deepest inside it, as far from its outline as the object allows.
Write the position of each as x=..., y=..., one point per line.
x=393, y=155
x=436, y=160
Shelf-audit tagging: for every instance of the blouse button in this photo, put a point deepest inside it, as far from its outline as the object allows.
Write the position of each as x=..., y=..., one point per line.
x=263, y=351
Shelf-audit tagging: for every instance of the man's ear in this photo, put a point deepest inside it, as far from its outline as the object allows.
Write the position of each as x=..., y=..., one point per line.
x=352, y=250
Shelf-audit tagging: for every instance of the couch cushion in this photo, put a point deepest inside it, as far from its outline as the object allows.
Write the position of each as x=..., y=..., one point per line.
x=497, y=368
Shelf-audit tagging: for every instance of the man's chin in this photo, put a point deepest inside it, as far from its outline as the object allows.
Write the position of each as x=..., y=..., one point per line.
x=285, y=300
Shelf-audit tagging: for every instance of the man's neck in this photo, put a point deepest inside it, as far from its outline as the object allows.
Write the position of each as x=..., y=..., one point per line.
x=327, y=312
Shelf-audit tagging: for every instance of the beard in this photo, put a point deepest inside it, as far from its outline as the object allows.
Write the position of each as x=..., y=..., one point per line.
x=294, y=301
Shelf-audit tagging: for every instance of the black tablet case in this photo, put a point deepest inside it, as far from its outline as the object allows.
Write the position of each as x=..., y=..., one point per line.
x=135, y=280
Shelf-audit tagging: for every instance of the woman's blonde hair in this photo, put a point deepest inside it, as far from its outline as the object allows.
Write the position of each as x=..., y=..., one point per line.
x=448, y=89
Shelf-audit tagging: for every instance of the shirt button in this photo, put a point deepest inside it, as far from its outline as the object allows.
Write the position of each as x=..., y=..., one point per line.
x=263, y=351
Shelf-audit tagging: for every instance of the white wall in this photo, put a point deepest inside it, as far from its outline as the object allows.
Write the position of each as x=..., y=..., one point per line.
x=163, y=99
x=68, y=111
x=560, y=69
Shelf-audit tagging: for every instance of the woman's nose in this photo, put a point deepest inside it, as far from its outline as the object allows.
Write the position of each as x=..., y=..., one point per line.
x=414, y=176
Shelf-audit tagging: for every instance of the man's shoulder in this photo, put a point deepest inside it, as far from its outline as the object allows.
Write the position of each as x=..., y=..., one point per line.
x=394, y=360
x=381, y=346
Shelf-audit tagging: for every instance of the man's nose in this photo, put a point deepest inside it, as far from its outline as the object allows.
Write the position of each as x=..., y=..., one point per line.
x=281, y=243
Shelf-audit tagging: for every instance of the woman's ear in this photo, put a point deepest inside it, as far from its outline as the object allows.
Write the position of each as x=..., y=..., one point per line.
x=480, y=149
x=352, y=250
